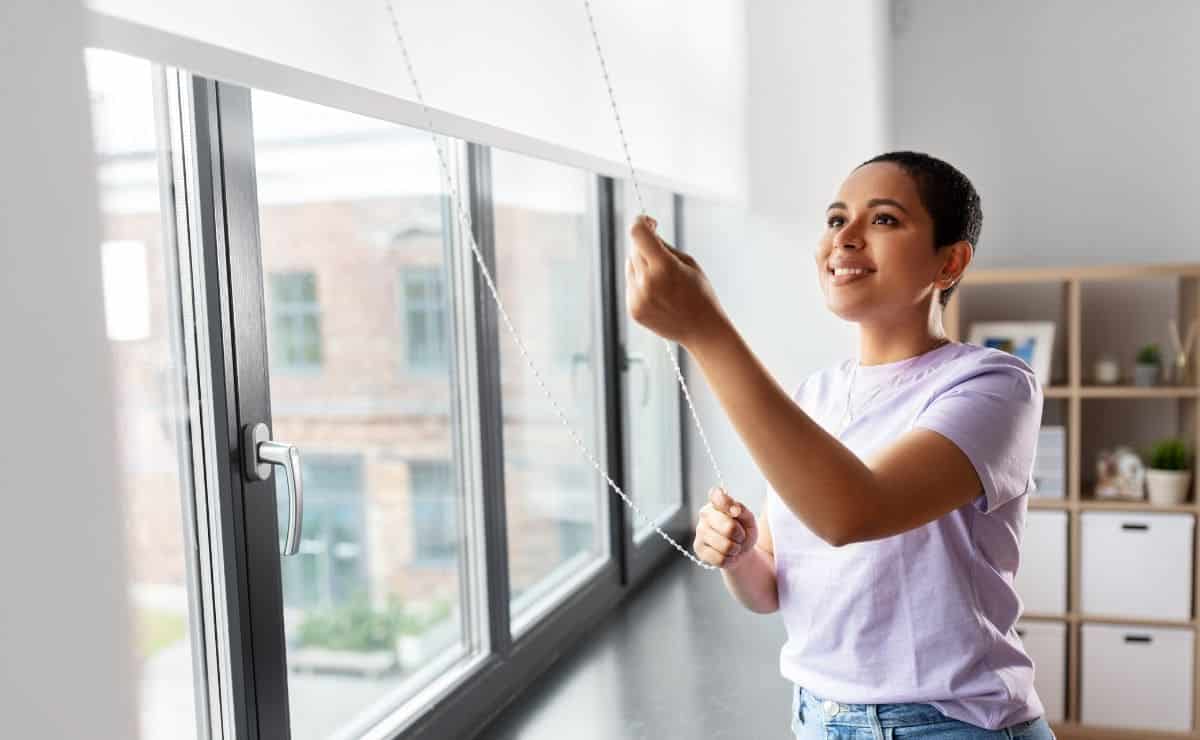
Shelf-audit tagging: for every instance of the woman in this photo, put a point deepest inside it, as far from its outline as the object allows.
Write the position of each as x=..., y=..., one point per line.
x=898, y=482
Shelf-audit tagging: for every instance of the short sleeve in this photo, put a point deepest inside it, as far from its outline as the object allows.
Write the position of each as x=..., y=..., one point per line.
x=993, y=415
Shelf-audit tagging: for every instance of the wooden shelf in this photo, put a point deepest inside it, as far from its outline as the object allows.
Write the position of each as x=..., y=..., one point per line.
x=1075, y=394
x=1131, y=391
x=1144, y=507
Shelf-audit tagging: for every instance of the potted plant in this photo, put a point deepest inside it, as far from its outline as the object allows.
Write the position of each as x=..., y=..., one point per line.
x=1169, y=473
x=1147, y=366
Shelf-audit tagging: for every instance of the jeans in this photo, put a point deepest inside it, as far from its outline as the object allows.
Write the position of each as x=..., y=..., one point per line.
x=816, y=719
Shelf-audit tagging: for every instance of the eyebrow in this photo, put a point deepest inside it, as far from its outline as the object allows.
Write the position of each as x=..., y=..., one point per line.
x=870, y=204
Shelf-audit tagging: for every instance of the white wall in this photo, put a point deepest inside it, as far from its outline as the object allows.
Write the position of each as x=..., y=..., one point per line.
x=817, y=108
x=527, y=66
x=1076, y=120
x=67, y=666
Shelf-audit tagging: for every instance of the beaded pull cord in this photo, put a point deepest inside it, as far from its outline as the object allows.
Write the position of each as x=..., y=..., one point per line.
x=465, y=223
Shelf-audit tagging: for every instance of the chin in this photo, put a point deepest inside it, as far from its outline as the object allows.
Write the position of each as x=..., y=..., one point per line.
x=848, y=311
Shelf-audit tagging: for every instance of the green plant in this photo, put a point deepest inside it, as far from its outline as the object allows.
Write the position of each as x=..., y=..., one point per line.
x=1170, y=454
x=1149, y=355
x=354, y=626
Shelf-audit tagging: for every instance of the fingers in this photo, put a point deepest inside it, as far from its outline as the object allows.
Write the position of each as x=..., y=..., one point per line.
x=724, y=503
x=723, y=524
x=647, y=245
x=736, y=509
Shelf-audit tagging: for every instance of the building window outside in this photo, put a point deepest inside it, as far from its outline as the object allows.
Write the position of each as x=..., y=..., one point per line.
x=295, y=321
x=330, y=569
x=434, y=515
x=423, y=303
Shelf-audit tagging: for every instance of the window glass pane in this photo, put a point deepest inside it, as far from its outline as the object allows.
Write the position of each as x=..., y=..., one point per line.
x=547, y=259
x=142, y=311
x=653, y=462
x=351, y=213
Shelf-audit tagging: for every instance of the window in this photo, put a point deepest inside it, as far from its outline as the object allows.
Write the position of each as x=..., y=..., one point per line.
x=295, y=321
x=330, y=569
x=423, y=298
x=434, y=513
x=154, y=431
x=547, y=255
x=358, y=203
x=382, y=615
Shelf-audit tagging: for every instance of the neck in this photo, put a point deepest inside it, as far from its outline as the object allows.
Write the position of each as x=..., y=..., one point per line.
x=892, y=342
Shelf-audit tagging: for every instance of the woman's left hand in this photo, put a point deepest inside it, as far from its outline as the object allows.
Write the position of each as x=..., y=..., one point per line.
x=666, y=291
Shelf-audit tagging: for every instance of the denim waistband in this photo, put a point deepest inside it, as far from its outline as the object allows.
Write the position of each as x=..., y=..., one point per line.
x=867, y=715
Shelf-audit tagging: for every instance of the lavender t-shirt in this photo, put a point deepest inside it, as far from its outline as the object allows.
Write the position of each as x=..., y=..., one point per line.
x=929, y=615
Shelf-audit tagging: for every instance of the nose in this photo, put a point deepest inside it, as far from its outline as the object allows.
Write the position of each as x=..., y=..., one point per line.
x=848, y=237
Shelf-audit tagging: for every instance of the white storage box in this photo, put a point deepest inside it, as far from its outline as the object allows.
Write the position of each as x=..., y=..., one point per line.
x=1046, y=644
x=1042, y=575
x=1137, y=565
x=1137, y=677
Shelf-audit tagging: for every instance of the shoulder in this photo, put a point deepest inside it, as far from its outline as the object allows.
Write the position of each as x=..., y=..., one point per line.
x=989, y=370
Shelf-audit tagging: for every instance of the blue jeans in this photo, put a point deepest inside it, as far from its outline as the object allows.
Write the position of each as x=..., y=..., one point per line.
x=816, y=719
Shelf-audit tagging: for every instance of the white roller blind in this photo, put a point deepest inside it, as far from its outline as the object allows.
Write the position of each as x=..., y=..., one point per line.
x=523, y=66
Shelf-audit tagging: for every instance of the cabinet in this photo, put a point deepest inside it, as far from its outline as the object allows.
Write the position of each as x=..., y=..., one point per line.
x=1098, y=311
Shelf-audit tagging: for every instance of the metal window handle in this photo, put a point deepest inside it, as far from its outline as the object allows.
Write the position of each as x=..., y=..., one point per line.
x=259, y=453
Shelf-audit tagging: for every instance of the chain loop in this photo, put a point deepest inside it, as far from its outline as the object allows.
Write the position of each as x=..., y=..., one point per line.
x=465, y=223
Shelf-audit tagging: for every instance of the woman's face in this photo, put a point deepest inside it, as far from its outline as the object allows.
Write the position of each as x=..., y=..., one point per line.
x=879, y=230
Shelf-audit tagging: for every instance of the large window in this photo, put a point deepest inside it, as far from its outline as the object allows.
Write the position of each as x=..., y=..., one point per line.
x=547, y=255
x=286, y=290
x=346, y=205
x=143, y=317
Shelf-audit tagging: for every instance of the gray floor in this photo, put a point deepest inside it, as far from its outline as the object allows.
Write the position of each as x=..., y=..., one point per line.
x=680, y=659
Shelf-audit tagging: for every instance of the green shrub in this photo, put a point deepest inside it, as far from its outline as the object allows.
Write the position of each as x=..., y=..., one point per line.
x=355, y=626
x=1149, y=355
x=1170, y=454
x=358, y=627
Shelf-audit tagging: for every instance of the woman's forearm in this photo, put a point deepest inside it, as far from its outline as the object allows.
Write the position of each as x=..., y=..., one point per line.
x=794, y=453
x=752, y=582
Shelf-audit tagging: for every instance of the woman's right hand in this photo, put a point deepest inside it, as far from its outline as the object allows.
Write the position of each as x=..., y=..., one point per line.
x=725, y=532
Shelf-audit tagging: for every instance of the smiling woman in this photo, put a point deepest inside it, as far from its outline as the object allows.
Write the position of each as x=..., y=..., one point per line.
x=898, y=481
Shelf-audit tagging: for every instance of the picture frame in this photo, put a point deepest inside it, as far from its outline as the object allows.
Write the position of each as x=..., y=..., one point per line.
x=1031, y=341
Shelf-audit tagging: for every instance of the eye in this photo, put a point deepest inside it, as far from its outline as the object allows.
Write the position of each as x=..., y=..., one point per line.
x=830, y=222
x=891, y=219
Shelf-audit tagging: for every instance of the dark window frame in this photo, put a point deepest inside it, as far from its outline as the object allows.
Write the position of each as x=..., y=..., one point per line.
x=215, y=124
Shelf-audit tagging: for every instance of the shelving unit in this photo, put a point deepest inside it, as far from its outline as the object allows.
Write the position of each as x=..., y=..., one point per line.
x=1077, y=393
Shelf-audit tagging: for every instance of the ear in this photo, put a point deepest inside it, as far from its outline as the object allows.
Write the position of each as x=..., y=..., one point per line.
x=957, y=257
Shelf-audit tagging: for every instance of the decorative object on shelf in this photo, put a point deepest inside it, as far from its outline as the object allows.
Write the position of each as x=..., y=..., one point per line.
x=1120, y=474
x=1106, y=370
x=1049, y=466
x=1147, y=366
x=1183, y=349
x=1032, y=341
x=1170, y=472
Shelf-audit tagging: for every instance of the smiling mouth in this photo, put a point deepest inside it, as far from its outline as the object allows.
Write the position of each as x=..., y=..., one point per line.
x=846, y=275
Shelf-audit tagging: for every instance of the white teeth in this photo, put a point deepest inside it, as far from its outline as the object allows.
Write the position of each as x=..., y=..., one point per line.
x=850, y=271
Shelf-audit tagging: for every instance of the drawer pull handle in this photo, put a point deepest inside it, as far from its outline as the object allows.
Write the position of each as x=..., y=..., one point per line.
x=1136, y=527
x=1146, y=639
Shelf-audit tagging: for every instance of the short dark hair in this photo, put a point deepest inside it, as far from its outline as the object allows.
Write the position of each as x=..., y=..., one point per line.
x=949, y=197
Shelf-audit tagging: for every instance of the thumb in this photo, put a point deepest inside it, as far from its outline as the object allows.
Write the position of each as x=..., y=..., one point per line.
x=646, y=242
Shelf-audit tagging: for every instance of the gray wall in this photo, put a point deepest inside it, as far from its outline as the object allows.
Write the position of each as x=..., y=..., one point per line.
x=817, y=108
x=1077, y=121
x=64, y=627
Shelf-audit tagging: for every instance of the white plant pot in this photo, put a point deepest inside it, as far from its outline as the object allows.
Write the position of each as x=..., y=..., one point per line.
x=1167, y=487
x=1145, y=375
